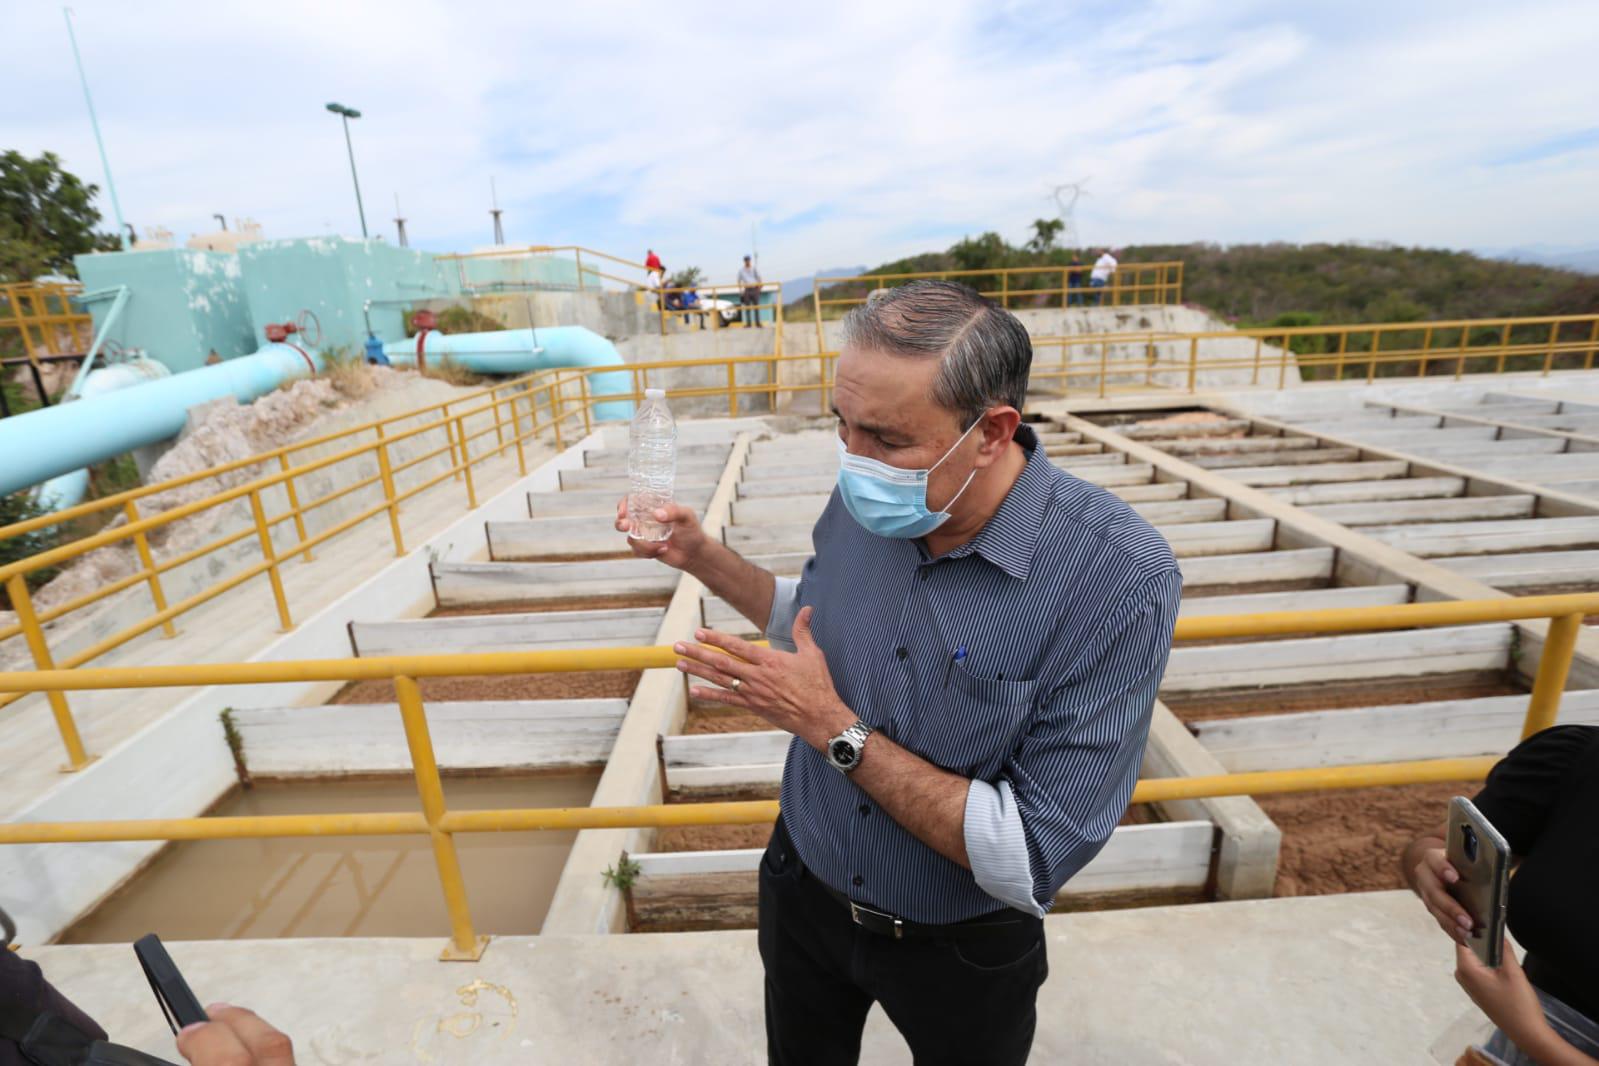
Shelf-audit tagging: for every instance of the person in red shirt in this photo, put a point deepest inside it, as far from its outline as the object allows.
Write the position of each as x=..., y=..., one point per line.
x=651, y=260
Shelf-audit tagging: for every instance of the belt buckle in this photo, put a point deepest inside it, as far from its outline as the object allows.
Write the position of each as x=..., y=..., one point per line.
x=856, y=910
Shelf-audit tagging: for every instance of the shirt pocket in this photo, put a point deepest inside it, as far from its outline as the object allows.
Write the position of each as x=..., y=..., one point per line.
x=971, y=723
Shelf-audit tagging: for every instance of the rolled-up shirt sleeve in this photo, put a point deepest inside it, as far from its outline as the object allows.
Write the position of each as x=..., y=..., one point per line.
x=1067, y=785
x=785, y=608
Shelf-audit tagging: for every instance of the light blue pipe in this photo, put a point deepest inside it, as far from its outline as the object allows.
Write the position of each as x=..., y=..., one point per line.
x=57, y=440
x=522, y=351
x=68, y=490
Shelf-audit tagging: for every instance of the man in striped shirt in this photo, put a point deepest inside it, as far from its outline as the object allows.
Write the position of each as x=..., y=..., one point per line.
x=967, y=664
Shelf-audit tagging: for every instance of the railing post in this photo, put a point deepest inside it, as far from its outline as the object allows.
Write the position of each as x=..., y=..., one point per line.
x=1553, y=665
x=1343, y=348
x=386, y=472
x=1460, y=359
x=1593, y=345
x=732, y=387
x=1282, y=364
x=499, y=422
x=777, y=338
x=1004, y=289
x=1193, y=363
x=449, y=434
x=264, y=534
x=33, y=633
x=294, y=502
x=579, y=254
x=1504, y=349
x=1104, y=358
x=1549, y=353
x=1254, y=376
x=464, y=945
x=816, y=309
x=552, y=390
x=516, y=435
x=583, y=397
x=1426, y=351
x=147, y=560
x=466, y=462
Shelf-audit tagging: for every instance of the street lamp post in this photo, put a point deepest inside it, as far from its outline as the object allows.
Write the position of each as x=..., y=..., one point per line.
x=347, y=113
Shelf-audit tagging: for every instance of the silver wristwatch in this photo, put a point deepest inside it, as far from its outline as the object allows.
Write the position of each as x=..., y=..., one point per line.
x=844, y=751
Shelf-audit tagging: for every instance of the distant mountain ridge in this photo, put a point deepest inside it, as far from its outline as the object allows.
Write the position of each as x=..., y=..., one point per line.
x=800, y=288
x=1254, y=284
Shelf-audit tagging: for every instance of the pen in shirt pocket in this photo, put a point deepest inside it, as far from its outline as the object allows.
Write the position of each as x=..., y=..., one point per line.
x=960, y=653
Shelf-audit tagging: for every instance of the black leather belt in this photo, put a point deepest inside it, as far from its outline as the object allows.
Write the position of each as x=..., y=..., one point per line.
x=886, y=924
x=892, y=925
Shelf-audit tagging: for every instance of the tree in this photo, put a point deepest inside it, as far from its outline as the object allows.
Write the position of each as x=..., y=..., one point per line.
x=686, y=278
x=1045, y=230
x=47, y=216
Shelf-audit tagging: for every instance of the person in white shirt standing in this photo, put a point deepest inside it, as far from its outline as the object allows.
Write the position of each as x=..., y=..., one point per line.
x=1104, y=269
x=749, y=281
x=656, y=281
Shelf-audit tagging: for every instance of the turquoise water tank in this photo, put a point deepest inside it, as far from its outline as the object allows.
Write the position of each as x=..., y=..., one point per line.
x=334, y=277
x=183, y=305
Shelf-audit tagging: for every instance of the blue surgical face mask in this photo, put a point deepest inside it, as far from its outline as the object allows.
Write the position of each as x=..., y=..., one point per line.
x=890, y=501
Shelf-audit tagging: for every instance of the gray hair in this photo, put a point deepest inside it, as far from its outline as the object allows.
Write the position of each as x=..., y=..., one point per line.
x=983, y=350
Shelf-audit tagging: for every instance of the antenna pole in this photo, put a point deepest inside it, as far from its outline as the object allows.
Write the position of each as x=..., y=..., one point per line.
x=494, y=200
x=111, y=186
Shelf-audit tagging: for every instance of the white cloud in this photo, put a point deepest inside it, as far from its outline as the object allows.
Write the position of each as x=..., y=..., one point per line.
x=849, y=132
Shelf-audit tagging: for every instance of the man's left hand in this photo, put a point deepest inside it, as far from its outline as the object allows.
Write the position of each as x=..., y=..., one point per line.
x=792, y=691
x=1504, y=994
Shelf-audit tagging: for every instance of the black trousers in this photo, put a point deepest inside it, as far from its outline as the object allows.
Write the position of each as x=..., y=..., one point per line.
x=969, y=998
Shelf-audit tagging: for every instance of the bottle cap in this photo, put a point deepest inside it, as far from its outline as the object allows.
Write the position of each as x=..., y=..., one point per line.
x=655, y=394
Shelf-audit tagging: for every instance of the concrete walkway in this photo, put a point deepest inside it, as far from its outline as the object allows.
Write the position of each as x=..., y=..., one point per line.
x=1330, y=979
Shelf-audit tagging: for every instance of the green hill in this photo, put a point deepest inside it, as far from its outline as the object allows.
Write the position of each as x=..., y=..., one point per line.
x=1258, y=284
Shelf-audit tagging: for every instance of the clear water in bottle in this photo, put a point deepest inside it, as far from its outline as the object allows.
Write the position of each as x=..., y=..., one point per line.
x=651, y=466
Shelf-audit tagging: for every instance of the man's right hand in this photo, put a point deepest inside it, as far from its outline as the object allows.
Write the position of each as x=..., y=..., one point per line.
x=682, y=550
x=1430, y=875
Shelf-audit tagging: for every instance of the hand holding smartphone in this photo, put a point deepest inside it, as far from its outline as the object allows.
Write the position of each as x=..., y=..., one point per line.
x=178, y=1003
x=1481, y=857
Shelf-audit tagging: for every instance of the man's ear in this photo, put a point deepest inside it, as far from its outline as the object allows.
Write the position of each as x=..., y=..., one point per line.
x=999, y=427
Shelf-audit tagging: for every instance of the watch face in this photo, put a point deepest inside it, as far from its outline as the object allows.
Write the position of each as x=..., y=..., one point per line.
x=842, y=752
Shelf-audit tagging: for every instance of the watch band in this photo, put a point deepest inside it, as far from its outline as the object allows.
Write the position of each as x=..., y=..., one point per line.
x=844, y=751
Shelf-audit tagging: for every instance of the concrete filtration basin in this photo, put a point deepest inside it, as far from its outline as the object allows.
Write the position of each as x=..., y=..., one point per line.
x=344, y=886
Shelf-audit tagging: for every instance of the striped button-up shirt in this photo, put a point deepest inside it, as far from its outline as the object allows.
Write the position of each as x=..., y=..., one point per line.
x=1026, y=660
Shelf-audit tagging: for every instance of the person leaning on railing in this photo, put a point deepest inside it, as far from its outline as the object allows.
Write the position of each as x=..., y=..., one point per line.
x=968, y=665
x=1544, y=799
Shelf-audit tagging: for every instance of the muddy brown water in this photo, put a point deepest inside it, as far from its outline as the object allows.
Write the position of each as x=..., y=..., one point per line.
x=345, y=886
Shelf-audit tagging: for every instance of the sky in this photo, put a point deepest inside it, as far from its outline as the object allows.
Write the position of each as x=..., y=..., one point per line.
x=841, y=132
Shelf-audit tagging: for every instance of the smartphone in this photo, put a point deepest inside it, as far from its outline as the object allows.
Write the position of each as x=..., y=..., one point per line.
x=171, y=990
x=1482, y=859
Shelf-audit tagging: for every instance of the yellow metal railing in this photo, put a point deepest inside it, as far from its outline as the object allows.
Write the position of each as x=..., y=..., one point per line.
x=559, y=405
x=440, y=824
x=1017, y=287
x=767, y=314
x=43, y=318
x=554, y=405
x=512, y=413
x=1322, y=353
x=585, y=273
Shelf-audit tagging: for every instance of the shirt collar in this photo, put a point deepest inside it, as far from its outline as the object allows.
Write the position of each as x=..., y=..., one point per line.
x=1010, y=537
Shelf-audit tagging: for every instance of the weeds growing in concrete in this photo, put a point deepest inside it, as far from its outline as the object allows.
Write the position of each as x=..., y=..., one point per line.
x=624, y=875
x=236, y=746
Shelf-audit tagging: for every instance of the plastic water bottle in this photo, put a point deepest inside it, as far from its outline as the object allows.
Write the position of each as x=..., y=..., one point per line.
x=651, y=466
